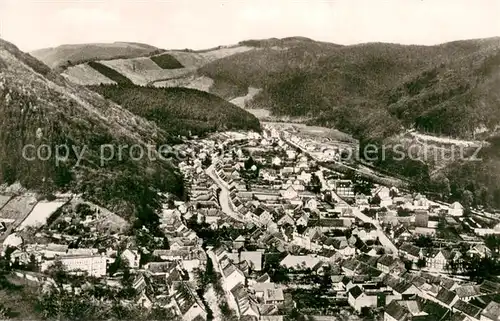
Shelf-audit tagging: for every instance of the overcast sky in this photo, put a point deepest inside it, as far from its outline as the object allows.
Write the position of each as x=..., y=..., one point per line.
x=197, y=24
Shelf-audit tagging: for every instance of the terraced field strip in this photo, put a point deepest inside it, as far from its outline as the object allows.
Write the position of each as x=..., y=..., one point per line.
x=110, y=73
x=17, y=209
x=41, y=212
x=4, y=200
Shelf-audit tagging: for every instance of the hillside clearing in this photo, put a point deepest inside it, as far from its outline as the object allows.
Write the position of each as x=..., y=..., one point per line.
x=40, y=213
x=18, y=208
x=3, y=200
x=109, y=72
x=446, y=140
x=85, y=75
x=201, y=83
x=216, y=54
x=189, y=59
x=243, y=100
x=260, y=113
x=143, y=71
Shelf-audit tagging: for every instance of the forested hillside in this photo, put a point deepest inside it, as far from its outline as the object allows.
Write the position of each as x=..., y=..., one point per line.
x=375, y=91
x=43, y=110
x=403, y=86
x=180, y=111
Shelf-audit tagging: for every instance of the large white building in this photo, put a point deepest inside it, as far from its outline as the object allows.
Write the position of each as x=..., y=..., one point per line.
x=94, y=265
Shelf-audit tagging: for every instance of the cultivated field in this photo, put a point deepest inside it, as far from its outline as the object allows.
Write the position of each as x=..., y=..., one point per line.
x=142, y=71
x=224, y=52
x=41, y=212
x=85, y=75
x=59, y=56
x=18, y=208
x=3, y=200
x=200, y=83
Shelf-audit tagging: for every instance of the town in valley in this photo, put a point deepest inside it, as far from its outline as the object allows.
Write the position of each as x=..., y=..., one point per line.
x=274, y=226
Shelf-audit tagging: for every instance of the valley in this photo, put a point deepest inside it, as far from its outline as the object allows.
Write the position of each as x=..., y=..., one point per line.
x=282, y=178
x=385, y=94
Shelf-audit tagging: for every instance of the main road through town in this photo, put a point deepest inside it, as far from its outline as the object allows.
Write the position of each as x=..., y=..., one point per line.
x=382, y=237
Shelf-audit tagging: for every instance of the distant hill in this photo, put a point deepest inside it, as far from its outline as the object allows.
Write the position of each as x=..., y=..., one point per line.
x=163, y=69
x=374, y=91
x=68, y=55
x=41, y=108
x=345, y=86
x=271, y=60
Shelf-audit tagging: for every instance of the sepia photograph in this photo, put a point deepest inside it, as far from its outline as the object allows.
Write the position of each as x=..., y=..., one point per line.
x=250, y=160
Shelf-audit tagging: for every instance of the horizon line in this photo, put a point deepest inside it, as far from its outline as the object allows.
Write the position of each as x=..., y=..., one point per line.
x=254, y=39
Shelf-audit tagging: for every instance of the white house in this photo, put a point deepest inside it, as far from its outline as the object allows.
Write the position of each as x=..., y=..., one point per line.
x=358, y=299
x=385, y=196
x=291, y=154
x=133, y=257
x=438, y=261
x=232, y=276
x=344, y=248
x=276, y=161
x=300, y=262
x=421, y=202
x=188, y=302
x=311, y=204
x=290, y=193
x=144, y=301
x=302, y=220
x=456, y=209
x=480, y=250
